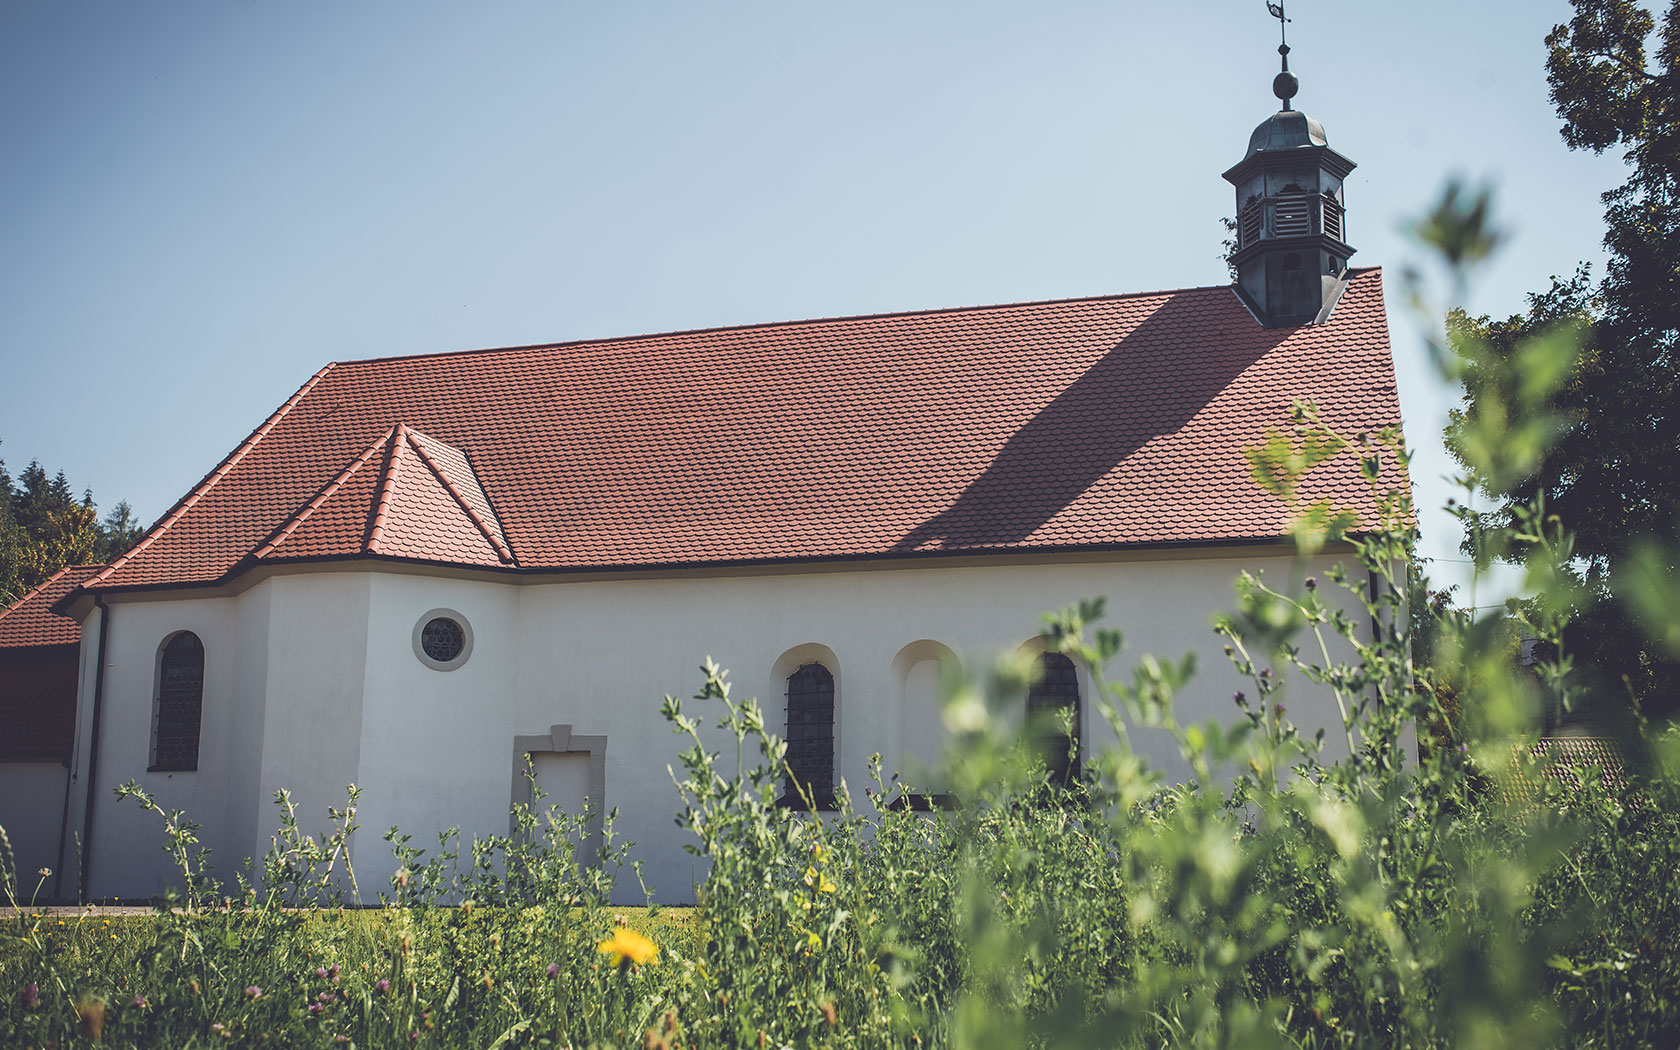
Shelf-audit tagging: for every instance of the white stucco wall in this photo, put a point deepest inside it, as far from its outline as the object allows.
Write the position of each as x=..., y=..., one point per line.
x=126, y=855
x=246, y=814
x=598, y=655
x=312, y=683
x=311, y=704
x=436, y=746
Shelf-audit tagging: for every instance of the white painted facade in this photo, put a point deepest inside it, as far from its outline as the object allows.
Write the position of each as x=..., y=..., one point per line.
x=312, y=682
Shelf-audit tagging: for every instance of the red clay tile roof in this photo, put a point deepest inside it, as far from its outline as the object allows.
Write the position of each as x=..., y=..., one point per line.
x=1098, y=422
x=31, y=620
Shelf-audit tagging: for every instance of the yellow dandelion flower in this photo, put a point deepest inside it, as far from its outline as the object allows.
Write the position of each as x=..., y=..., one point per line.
x=626, y=945
x=815, y=878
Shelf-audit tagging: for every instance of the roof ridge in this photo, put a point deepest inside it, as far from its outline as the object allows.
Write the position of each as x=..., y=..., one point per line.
x=1353, y=271
x=293, y=523
x=209, y=480
x=396, y=437
x=502, y=550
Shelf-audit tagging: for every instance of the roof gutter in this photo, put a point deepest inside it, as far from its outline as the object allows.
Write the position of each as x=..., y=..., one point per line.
x=93, y=758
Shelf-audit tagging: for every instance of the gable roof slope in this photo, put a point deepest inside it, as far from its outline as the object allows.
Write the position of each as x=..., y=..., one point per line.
x=1099, y=422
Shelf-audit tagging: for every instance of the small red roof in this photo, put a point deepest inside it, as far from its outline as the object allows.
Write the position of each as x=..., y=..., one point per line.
x=1101, y=422
x=407, y=496
x=32, y=622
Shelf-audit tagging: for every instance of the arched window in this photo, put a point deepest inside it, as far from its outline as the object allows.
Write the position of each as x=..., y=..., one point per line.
x=1056, y=691
x=180, y=700
x=810, y=736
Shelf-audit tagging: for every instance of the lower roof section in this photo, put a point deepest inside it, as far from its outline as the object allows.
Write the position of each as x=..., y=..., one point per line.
x=33, y=621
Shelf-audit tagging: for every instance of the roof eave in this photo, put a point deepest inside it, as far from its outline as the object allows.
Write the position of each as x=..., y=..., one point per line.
x=879, y=559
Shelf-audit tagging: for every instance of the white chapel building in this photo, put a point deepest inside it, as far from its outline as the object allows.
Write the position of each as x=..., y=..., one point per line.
x=420, y=573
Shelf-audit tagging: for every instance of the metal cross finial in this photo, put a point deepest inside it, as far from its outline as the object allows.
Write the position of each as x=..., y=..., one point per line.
x=1285, y=84
x=1276, y=11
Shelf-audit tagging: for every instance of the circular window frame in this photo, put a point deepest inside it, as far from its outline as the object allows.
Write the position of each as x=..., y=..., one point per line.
x=466, y=635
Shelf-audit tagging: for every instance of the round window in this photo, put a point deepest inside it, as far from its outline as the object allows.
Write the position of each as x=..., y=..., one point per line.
x=442, y=639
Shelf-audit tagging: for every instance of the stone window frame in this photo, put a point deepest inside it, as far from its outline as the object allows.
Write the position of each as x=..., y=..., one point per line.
x=466, y=631
x=561, y=740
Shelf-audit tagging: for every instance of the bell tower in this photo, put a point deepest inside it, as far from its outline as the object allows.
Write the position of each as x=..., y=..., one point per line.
x=1292, y=250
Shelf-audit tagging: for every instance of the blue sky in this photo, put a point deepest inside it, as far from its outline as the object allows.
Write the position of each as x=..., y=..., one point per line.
x=202, y=203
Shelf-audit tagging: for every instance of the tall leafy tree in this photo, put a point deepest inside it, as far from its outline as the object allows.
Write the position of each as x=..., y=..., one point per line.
x=1612, y=477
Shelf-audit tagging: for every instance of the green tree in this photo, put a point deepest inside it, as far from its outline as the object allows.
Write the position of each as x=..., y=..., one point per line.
x=119, y=531
x=1610, y=476
x=44, y=527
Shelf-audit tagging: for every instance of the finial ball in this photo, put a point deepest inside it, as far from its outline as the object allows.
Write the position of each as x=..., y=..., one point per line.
x=1285, y=84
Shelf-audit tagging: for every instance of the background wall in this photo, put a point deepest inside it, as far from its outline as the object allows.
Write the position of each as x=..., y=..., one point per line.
x=31, y=810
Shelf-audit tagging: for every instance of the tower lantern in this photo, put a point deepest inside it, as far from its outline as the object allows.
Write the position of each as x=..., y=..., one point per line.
x=1292, y=250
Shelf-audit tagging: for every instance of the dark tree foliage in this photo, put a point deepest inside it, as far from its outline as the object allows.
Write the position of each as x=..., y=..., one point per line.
x=1613, y=476
x=118, y=531
x=44, y=527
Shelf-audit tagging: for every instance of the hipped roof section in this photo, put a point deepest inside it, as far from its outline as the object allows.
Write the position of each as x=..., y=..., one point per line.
x=406, y=496
x=1103, y=422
